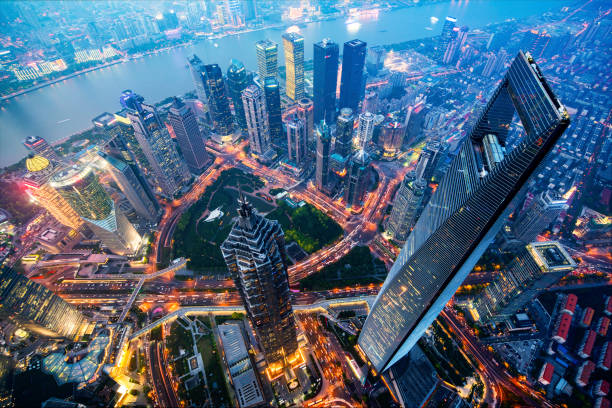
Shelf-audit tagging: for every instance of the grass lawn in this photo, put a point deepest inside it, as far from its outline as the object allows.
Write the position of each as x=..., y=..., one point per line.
x=309, y=227
x=358, y=267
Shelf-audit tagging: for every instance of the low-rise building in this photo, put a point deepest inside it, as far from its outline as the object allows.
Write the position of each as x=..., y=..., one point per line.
x=584, y=373
x=587, y=317
x=586, y=347
x=605, y=357
x=569, y=304
x=562, y=327
x=546, y=374
x=603, y=325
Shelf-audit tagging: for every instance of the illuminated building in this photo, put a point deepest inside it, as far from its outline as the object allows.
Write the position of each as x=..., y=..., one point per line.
x=391, y=137
x=446, y=37
x=267, y=56
x=273, y=107
x=254, y=102
x=40, y=147
x=296, y=139
x=454, y=46
x=305, y=112
x=414, y=379
x=406, y=204
x=352, y=79
x=80, y=187
x=543, y=210
x=36, y=308
x=196, y=67
x=237, y=81
x=325, y=80
x=323, y=150
x=293, y=45
x=344, y=132
x=464, y=215
x=356, y=184
x=255, y=255
x=536, y=267
x=168, y=168
x=189, y=137
x=365, y=129
x=223, y=122
x=36, y=183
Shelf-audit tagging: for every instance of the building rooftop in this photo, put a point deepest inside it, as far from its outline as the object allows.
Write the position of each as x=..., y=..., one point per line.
x=551, y=256
x=36, y=163
x=233, y=343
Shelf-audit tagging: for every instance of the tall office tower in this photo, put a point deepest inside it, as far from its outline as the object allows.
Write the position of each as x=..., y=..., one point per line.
x=296, y=139
x=267, y=56
x=249, y=10
x=81, y=189
x=40, y=147
x=37, y=187
x=273, y=106
x=414, y=380
x=255, y=256
x=254, y=102
x=305, y=111
x=365, y=129
x=293, y=46
x=36, y=308
x=323, y=151
x=223, y=122
x=357, y=180
x=406, y=204
x=464, y=215
x=325, y=80
x=237, y=81
x=131, y=186
x=543, y=210
x=352, y=79
x=168, y=168
x=196, y=67
x=536, y=267
x=344, y=132
x=447, y=35
x=234, y=13
x=391, y=137
x=189, y=137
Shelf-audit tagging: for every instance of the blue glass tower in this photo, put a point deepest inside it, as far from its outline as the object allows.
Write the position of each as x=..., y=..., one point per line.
x=325, y=79
x=351, y=81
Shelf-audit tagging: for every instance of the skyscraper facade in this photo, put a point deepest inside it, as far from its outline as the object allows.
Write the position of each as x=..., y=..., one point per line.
x=357, y=180
x=39, y=146
x=255, y=255
x=463, y=216
x=344, y=132
x=365, y=129
x=168, y=168
x=542, y=210
x=296, y=139
x=323, y=151
x=254, y=102
x=305, y=111
x=267, y=59
x=391, y=137
x=447, y=35
x=223, y=121
x=273, y=107
x=189, y=137
x=293, y=46
x=80, y=187
x=196, y=67
x=38, y=309
x=406, y=204
x=237, y=81
x=325, y=80
x=352, y=81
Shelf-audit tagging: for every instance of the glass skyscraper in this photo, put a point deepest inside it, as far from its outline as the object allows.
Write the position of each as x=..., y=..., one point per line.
x=237, y=81
x=293, y=45
x=323, y=150
x=344, y=132
x=188, y=135
x=325, y=80
x=254, y=102
x=273, y=106
x=223, y=121
x=351, y=80
x=462, y=218
x=267, y=59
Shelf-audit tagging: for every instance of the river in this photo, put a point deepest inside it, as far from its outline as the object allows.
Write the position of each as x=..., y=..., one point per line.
x=67, y=107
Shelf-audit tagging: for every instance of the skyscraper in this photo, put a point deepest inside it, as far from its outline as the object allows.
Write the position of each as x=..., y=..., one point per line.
x=535, y=267
x=196, y=67
x=542, y=210
x=447, y=35
x=131, y=186
x=453, y=49
x=467, y=210
x=80, y=187
x=36, y=183
x=305, y=111
x=254, y=102
x=273, y=106
x=267, y=56
x=323, y=151
x=169, y=170
x=39, y=146
x=365, y=129
x=237, y=81
x=255, y=256
x=344, y=132
x=189, y=137
x=356, y=184
x=325, y=80
x=408, y=199
x=391, y=137
x=351, y=81
x=296, y=139
x=38, y=309
x=223, y=122
x=293, y=45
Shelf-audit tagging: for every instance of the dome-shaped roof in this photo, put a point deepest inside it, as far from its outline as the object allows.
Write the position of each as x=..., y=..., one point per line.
x=36, y=163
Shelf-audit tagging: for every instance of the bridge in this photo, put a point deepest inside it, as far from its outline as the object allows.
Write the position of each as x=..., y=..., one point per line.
x=176, y=265
x=321, y=306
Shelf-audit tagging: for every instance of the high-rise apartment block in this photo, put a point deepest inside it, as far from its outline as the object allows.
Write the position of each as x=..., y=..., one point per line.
x=293, y=45
x=365, y=129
